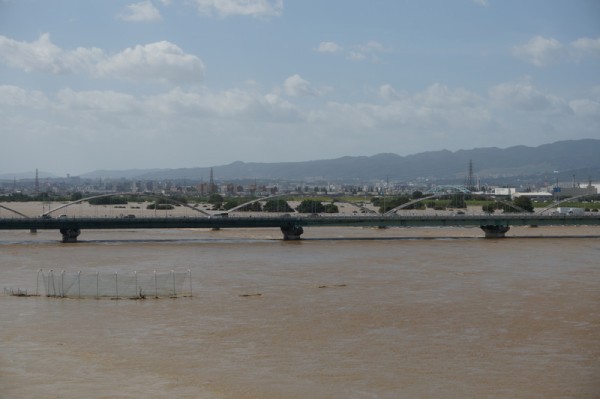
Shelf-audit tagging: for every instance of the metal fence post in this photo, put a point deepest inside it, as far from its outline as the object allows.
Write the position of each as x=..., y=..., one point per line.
x=173, y=278
x=62, y=284
x=50, y=274
x=37, y=282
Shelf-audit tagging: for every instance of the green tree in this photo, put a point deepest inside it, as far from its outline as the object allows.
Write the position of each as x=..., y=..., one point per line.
x=524, y=202
x=331, y=208
x=310, y=206
x=216, y=200
x=489, y=208
x=230, y=203
x=388, y=203
x=253, y=207
x=275, y=205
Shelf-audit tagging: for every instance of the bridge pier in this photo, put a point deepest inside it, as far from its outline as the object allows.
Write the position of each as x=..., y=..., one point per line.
x=493, y=231
x=292, y=232
x=70, y=235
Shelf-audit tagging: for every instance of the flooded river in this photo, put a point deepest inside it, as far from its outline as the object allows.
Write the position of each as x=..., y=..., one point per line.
x=353, y=313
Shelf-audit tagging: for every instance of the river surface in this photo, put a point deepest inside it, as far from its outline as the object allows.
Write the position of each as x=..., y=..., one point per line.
x=353, y=313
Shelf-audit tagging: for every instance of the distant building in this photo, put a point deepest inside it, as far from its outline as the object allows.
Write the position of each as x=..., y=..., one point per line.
x=535, y=196
x=504, y=191
x=563, y=192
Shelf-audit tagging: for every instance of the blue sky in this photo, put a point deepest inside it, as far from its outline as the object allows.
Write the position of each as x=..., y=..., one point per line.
x=110, y=84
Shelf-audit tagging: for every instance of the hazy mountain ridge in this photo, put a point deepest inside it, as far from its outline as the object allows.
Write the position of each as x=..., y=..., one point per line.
x=564, y=156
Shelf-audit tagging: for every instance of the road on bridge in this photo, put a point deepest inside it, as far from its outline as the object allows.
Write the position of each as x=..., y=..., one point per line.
x=494, y=226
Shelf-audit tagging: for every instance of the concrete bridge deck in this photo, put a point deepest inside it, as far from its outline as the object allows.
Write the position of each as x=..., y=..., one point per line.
x=494, y=226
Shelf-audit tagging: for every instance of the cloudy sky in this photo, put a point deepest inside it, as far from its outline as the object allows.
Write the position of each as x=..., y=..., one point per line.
x=111, y=84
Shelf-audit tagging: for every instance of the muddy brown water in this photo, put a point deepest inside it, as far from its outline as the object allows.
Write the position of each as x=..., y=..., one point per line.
x=354, y=313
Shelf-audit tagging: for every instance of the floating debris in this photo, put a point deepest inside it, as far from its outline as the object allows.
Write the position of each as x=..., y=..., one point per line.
x=17, y=292
x=331, y=285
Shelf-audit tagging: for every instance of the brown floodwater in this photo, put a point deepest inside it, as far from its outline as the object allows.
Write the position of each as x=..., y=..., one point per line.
x=343, y=313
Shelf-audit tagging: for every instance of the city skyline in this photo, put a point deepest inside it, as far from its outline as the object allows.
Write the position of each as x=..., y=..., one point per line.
x=175, y=84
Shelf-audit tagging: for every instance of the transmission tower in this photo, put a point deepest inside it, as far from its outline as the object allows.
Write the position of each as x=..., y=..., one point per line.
x=470, y=178
x=211, y=184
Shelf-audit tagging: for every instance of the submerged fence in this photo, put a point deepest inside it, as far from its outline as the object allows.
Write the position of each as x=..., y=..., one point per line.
x=132, y=285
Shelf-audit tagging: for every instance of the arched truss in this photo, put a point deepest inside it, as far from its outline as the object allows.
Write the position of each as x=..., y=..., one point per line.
x=406, y=205
x=557, y=203
x=362, y=208
x=14, y=211
x=156, y=196
x=444, y=194
x=448, y=189
x=255, y=201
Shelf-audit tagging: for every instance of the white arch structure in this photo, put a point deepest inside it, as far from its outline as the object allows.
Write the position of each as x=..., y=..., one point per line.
x=118, y=194
x=443, y=194
x=14, y=211
x=557, y=203
x=288, y=195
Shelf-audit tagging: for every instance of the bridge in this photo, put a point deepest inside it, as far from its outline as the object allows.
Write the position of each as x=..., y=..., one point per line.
x=292, y=227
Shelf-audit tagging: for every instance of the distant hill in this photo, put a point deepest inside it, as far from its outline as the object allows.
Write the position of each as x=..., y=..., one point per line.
x=122, y=174
x=574, y=156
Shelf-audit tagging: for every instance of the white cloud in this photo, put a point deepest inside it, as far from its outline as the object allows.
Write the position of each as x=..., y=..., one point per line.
x=523, y=96
x=96, y=101
x=254, y=8
x=329, y=47
x=483, y=3
x=436, y=109
x=543, y=52
x=355, y=56
x=369, y=50
x=586, y=108
x=387, y=92
x=143, y=11
x=230, y=105
x=357, y=52
x=587, y=46
x=155, y=62
x=13, y=96
x=441, y=96
x=296, y=86
x=43, y=56
x=540, y=51
x=371, y=47
x=184, y=121
x=160, y=61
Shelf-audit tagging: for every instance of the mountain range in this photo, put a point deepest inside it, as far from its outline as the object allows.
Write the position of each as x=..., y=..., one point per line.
x=571, y=157
x=580, y=157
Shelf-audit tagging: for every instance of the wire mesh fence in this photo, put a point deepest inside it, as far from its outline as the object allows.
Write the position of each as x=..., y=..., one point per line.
x=115, y=285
